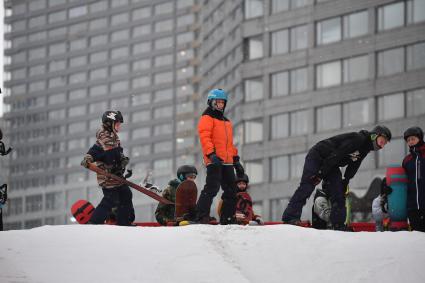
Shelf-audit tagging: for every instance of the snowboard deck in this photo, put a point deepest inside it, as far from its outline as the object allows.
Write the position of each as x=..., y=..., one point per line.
x=186, y=196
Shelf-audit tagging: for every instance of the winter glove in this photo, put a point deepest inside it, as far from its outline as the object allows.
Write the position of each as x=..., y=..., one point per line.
x=124, y=161
x=128, y=174
x=87, y=160
x=215, y=159
x=240, y=171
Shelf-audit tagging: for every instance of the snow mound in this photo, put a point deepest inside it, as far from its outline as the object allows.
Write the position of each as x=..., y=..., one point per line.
x=204, y=253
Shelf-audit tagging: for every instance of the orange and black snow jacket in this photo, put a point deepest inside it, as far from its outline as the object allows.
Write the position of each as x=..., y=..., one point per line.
x=216, y=135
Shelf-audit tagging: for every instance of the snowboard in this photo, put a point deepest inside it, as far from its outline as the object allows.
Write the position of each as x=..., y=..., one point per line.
x=186, y=195
x=397, y=200
x=94, y=168
x=82, y=211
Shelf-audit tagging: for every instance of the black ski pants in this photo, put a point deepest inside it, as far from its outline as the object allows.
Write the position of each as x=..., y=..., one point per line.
x=417, y=219
x=333, y=183
x=120, y=197
x=224, y=176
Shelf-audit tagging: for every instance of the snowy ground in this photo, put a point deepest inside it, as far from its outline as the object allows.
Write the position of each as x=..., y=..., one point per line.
x=202, y=253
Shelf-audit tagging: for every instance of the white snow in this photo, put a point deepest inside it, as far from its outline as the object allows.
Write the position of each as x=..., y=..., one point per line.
x=206, y=253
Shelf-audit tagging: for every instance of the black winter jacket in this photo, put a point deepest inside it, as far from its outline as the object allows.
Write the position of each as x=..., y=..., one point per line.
x=344, y=150
x=414, y=164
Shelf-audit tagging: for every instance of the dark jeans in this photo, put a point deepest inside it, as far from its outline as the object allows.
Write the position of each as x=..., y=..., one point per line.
x=417, y=219
x=333, y=184
x=224, y=176
x=119, y=197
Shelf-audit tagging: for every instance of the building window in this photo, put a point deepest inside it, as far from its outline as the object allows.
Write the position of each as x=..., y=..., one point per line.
x=328, y=118
x=141, y=133
x=280, y=44
x=33, y=203
x=254, y=47
x=141, y=13
x=279, y=168
x=279, y=6
x=141, y=47
x=163, y=26
x=416, y=56
x=280, y=84
x=279, y=126
x=253, y=89
x=356, y=113
x=253, y=8
x=328, y=31
x=254, y=170
x=328, y=74
x=391, y=61
x=299, y=122
x=119, y=18
x=253, y=131
x=391, y=16
x=164, y=8
x=299, y=37
x=391, y=106
x=356, y=69
x=356, y=24
x=77, y=11
x=163, y=43
x=164, y=146
x=297, y=165
x=416, y=102
x=415, y=11
x=163, y=129
x=298, y=80
x=142, y=64
x=394, y=152
x=120, y=35
x=119, y=86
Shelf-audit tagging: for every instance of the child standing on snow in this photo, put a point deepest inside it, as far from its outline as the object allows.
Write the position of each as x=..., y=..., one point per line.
x=414, y=165
x=166, y=212
x=220, y=157
x=108, y=155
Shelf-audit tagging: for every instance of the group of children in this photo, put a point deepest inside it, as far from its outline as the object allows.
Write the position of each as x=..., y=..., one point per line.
x=414, y=138
x=224, y=170
x=220, y=157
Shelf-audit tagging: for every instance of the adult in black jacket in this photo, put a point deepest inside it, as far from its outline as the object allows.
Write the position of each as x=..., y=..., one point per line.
x=322, y=163
x=414, y=164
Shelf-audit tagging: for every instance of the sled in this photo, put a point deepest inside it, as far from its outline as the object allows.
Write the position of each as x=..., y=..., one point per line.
x=82, y=211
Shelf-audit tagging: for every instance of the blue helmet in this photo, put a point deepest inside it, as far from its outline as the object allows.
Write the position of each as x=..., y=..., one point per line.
x=217, y=93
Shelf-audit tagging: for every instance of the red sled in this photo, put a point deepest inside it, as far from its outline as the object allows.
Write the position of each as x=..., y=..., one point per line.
x=82, y=211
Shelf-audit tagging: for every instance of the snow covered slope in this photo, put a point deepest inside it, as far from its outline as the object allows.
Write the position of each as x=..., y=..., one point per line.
x=202, y=253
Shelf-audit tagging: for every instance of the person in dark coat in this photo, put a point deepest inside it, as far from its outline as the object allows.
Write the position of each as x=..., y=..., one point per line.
x=414, y=164
x=322, y=163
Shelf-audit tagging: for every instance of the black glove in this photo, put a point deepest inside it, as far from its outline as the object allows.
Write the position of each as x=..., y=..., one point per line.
x=128, y=174
x=124, y=161
x=240, y=171
x=215, y=159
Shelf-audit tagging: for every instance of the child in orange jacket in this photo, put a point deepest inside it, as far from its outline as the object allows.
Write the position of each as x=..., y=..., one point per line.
x=220, y=157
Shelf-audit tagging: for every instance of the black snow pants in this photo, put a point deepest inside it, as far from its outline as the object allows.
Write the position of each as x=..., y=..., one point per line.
x=120, y=197
x=333, y=183
x=417, y=219
x=224, y=176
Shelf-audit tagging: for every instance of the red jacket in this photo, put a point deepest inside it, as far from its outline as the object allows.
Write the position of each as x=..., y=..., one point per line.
x=216, y=135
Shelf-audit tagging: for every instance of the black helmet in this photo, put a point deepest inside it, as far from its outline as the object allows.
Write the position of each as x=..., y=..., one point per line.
x=183, y=170
x=382, y=131
x=112, y=117
x=243, y=178
x=414, y=131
